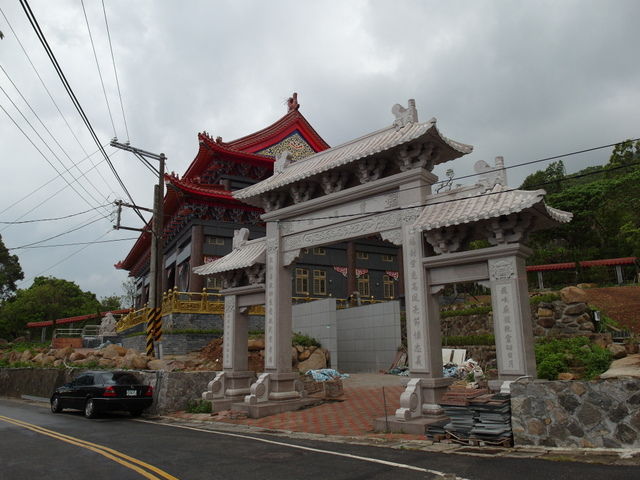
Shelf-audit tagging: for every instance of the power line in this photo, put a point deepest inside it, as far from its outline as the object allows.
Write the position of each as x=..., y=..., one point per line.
x=95, y=55
x=65, y=259
x=76, y=103
x=64, y=118
x=82, y=243
x=75, y=229
x=53, y=219
x=115, y=70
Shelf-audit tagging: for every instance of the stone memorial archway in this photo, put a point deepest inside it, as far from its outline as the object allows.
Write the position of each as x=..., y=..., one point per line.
x=380, y=184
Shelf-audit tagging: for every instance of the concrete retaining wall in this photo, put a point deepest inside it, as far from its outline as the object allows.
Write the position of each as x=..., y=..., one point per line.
x=172, y=344
x=172, y=390
x=602, y=413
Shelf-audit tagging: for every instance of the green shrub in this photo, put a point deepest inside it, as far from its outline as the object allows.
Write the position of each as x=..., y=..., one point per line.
x=557, y=355
x=488, y=339
x=544, y=298
x=198, y=406
x=304, y=340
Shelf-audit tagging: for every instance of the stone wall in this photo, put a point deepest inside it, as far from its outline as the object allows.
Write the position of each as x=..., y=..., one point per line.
x=468, y=325
x=204, y=321
x=583, y=414
x=172, y=344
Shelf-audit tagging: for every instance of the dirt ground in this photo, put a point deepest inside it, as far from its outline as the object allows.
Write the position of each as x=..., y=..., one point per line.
x=621, y=304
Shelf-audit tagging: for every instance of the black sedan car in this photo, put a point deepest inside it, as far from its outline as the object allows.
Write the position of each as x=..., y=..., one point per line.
x=95, y=392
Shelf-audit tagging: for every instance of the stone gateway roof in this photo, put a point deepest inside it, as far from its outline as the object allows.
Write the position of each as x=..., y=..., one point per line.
x=386, y=141
x=475, y=205
x=246, y=255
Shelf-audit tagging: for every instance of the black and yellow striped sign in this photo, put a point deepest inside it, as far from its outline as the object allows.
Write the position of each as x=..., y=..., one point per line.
x=153, y=317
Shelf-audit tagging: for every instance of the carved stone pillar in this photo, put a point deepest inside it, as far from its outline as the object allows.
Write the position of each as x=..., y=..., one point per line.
x=512, y=315
x=233, y=383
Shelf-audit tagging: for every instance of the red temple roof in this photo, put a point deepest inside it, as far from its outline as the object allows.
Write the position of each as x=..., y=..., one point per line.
x=80, y=318
x=242, y=151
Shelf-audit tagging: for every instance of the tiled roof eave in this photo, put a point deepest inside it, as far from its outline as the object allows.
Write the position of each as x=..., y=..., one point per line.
x=334, y=158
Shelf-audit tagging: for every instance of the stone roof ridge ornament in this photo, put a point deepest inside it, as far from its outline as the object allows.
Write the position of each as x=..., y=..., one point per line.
x=240, y=237
x=282, y=162
x=488, y=176
x=405, y=116
x=292, y=103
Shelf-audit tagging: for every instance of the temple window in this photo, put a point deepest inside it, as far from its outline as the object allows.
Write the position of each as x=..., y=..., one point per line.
x=319, y=282
x=389, y=288
x=363, y=285
x=302, y=281
x=213, y=240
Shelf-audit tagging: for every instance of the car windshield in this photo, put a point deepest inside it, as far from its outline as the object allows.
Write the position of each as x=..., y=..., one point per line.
x=117, y=378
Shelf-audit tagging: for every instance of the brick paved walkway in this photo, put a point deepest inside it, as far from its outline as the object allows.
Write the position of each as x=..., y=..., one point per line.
x=352, y=414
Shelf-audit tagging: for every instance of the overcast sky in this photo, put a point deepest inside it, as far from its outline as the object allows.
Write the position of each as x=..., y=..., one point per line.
x=525, y=80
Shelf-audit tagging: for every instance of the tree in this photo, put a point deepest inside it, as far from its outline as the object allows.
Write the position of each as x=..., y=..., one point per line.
x=111, y=303
x=48, y=299
x=550, y=178
x=129, y=297
x=10, y=272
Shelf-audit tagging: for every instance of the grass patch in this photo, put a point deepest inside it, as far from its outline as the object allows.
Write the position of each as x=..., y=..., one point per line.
x=199, y=406
x=304, y=340
x=577, y=354
x=544, y=298
x=463, y=340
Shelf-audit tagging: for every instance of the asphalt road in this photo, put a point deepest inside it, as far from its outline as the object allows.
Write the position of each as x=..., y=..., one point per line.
x=37, y=444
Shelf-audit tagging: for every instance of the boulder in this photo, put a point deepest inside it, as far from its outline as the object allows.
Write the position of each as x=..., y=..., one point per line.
x=113, y=351
x=256, y=344
x=106, y=362
x=304, y=355
x=75, y=356
x=20, y=340
x=62, y=353
x=577, y=309
x=573, y=295
x=139, y=362
x=546, y=322
x=617, y=351
x=294, y=356
x=14, y=356
x=3, y=341
x=316, y=361
x=26, y=356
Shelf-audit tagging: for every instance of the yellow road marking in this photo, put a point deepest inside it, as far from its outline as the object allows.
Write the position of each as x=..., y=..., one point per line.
x=110, y=453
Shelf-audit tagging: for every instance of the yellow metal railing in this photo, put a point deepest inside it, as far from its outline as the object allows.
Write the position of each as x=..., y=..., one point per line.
x=175, y=301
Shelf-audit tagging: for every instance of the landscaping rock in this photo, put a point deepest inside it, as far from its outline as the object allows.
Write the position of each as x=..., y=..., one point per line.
x=113, y=351
x=63, y=353
x=573, y=295
x=75, y=356
x=256, y=344
x=627, y=367
x=617, y=351
x=316, y=361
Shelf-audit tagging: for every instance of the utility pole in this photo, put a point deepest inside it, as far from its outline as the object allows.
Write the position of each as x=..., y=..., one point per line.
x=154, y=321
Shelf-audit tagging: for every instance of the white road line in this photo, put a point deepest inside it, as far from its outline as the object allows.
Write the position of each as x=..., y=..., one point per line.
x=310, y=449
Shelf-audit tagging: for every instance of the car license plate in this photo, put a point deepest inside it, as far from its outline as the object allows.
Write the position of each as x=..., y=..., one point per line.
x=132, y=393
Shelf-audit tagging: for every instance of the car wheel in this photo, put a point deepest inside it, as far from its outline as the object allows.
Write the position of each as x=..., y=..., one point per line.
x=90, y=409
x=136, y=412
x=55, y=404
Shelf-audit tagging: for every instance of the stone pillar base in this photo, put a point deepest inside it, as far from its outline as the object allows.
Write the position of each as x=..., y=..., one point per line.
x=415, y=426
x=228, y=387
x=420, y=399
x=275, y=393
x=264, y=409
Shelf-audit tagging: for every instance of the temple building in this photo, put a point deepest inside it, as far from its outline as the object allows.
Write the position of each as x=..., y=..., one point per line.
x=201, y=215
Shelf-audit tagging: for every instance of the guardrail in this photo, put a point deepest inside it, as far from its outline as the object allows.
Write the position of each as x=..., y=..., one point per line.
x=174, y=301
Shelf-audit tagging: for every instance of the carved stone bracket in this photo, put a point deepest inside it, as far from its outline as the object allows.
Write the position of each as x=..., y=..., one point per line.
x=260, y=390
x=302, y=191
x=233, y=278
x=393, y=236
x=370, y=169
x=448, y=239
x=411, y=401
x=509, y=229
x=216, y=387
x=256, y=273
x=273, y=201
x=417, y=155
x=334, y=181
x=291, y=257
